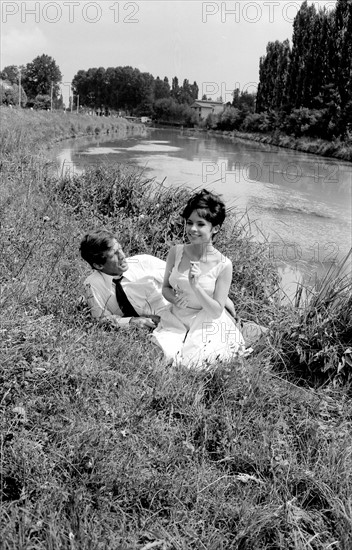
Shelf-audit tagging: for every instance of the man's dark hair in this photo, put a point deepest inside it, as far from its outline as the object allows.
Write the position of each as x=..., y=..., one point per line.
x=208, y=206
x=95, y=245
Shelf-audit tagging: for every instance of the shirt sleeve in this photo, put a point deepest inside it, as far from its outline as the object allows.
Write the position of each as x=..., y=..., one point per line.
x=155, y=267
x=99, y=307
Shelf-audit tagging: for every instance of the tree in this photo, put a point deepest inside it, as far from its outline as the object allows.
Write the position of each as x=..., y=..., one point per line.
x=42, y=77
x=161, y=88
x=10, y=94
x=80, y=86
x=175, y=89
x=194, y=90
x=11, y=73
x=243, y=101
x=168, y=110
x=273, y=74
x=343, y=33
x=230, y=119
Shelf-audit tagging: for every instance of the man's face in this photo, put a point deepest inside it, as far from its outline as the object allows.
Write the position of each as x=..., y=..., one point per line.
x=115, y=263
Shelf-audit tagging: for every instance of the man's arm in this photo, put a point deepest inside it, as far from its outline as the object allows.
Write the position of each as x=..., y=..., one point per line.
x=98, y=304
x=145, y=265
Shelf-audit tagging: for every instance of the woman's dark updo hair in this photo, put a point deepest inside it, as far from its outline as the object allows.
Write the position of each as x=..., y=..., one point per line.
x=208, y=206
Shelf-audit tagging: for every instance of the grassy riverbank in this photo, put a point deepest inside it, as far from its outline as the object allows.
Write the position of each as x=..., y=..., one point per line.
x=21, y=128
x=335, y=149
x=101, y=446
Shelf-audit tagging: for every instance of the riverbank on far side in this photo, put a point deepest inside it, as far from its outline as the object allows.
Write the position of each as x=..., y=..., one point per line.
x=341, y=150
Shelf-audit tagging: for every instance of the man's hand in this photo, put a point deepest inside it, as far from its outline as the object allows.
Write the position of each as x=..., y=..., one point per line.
x=142, y=322
x=154, y=318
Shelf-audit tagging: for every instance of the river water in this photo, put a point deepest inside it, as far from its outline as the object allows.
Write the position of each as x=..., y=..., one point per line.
x=301, y=202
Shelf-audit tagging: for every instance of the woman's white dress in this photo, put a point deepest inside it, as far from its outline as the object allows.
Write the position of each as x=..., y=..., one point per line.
x=190, y=336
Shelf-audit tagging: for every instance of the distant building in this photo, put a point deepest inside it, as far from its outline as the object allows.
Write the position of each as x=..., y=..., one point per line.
x=203, y=108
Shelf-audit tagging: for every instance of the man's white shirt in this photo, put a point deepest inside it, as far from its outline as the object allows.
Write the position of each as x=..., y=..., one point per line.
x=142, y=283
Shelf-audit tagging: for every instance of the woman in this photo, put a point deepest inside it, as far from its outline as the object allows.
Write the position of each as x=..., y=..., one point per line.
x=196, y=331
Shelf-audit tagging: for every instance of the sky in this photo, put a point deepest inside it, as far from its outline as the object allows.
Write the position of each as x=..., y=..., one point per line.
x=216, y=44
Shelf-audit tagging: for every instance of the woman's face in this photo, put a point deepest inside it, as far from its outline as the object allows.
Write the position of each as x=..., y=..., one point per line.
x=199, y=230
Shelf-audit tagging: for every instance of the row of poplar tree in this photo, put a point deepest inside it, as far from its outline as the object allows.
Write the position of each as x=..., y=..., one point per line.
x=306, y=88
x=130, y=90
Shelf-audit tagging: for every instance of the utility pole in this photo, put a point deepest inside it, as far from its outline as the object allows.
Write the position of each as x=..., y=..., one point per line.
x=19, y=88
x=51, y=97
x=77, y=104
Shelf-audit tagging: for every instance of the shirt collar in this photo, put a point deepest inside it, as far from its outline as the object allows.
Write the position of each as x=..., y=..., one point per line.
x=109, y=278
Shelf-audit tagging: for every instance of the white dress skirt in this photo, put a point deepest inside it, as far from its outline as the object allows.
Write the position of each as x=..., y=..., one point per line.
x=190, y=336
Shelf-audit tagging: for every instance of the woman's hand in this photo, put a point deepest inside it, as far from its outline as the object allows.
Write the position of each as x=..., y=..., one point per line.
x=194, y=274
x=180, y=298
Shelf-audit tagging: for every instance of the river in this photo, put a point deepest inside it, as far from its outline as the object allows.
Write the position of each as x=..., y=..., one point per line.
x=301, y=202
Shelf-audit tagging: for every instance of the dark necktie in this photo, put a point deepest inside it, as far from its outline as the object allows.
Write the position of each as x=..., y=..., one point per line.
x=124, y=303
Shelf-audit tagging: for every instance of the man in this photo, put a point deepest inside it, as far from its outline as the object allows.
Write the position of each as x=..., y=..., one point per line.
x=140, y=277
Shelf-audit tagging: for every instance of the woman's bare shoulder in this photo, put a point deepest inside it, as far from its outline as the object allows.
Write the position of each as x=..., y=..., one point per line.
x=219, y=257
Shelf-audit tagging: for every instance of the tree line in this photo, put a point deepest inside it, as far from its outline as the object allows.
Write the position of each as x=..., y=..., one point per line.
x=115, y=89
x=306, y=88
x=131, y=91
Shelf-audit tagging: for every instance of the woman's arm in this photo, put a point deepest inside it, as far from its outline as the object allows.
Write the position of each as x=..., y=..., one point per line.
x=213, y=305
x=230, y=306
x=167, y=290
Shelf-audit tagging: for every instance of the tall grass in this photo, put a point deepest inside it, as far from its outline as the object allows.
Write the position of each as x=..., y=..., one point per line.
x=24, y=131
x=102, y=447
x=316, y=344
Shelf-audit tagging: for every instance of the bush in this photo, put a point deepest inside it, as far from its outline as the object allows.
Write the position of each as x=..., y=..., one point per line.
x=230, y=119
x=9, y=94
x=41, y=102
x=168, y=110
x=307, y=122
x=256, y=122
